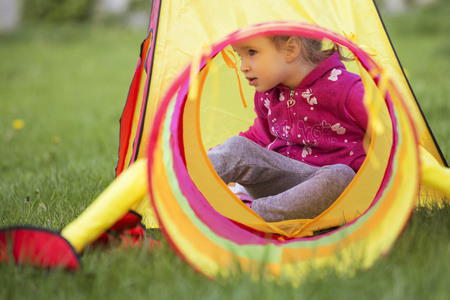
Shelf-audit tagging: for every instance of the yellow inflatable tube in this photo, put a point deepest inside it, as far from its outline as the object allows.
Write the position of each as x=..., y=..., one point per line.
x=128, y=189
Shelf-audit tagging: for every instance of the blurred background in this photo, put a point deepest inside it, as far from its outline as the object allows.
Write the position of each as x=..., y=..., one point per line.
x=13, y=13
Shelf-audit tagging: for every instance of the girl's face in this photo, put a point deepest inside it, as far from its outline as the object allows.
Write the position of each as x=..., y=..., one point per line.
x=263, y=64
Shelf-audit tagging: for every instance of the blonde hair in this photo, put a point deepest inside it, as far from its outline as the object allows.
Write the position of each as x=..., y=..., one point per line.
x=312, y=50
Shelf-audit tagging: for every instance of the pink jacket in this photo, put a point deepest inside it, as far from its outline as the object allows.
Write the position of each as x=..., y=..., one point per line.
x=321, y=122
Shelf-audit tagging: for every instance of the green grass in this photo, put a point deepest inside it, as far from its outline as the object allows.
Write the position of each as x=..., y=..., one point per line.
x=69, y=85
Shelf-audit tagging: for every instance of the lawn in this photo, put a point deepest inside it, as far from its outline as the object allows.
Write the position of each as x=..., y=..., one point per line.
x=62, y=91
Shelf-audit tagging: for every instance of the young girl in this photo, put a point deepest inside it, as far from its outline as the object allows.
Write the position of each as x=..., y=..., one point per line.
x=306, y=142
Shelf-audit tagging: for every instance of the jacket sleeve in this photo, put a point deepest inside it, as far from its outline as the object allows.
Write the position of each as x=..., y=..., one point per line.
x=354, y=105
x=259, y=132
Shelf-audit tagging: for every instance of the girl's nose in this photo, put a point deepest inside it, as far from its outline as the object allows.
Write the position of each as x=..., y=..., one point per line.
x=244, y=66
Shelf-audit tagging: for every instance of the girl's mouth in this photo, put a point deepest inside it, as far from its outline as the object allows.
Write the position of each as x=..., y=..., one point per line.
x=251, y=81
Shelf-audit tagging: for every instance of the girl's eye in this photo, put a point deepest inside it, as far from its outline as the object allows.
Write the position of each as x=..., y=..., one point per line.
x=251, y=52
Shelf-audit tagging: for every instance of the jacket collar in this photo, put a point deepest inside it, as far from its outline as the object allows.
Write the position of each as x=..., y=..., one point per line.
x=324, y=67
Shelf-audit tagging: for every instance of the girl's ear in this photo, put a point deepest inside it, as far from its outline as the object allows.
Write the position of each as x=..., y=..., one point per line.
x=293, y=47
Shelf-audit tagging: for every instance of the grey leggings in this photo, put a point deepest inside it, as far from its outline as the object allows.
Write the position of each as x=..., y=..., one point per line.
x=283, y=188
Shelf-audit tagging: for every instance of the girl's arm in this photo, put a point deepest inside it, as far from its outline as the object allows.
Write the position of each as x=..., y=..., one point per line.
x=259, y=132
x=354, y=105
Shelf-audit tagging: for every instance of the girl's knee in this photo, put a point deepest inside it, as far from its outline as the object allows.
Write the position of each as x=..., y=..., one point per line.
x=240, y=141
x=236, y=144
x=345, y=169
x=235, y=141
x=340, y=172
x=231, y=150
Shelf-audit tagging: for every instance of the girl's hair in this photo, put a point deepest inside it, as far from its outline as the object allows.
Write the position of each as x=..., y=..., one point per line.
x=312, y=50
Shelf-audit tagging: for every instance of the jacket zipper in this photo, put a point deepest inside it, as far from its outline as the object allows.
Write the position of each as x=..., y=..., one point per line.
x=290, y=121
x=291, y=102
